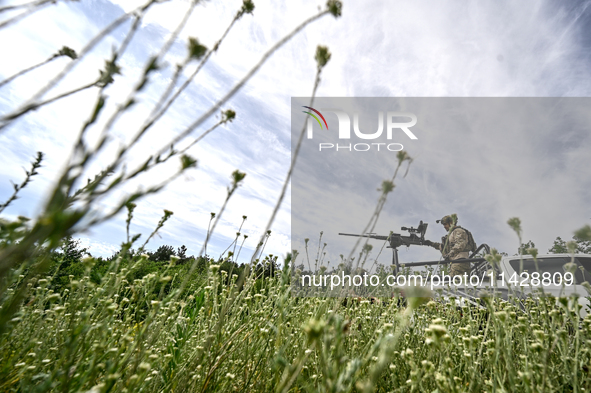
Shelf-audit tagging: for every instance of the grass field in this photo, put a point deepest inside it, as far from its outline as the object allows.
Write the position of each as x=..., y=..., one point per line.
x=136, y=323
x=141, y=335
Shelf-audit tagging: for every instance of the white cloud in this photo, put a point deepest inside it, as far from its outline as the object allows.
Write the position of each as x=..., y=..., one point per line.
x=98, y=249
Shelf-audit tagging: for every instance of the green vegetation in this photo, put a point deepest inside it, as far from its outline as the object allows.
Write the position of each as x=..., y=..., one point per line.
x=142, y=321
x=560, y=246
x=242, y=331
x=126, y=323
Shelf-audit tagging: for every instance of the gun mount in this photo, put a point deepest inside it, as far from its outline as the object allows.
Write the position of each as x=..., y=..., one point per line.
x=415, y=237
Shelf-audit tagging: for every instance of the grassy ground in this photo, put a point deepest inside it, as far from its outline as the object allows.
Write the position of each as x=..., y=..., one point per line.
x=123, y=335
x=135, y=324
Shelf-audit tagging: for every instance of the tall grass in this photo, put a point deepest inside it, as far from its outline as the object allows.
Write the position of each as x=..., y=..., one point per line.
x=175, y=330
x=123, y=335
x=73, y=207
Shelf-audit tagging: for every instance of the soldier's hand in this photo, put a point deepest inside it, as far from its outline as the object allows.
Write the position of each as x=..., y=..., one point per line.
x=429, y=243
x=435, y=245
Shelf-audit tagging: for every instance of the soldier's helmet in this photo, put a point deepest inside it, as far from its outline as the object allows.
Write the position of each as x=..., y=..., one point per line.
x=446, y=220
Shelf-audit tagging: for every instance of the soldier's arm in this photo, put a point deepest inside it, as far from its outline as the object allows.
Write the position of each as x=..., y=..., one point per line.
x=433, y=244
x=459, y=241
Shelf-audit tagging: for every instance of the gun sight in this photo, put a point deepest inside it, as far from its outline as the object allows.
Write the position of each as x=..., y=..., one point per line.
x=421, y=229
x=416, y=237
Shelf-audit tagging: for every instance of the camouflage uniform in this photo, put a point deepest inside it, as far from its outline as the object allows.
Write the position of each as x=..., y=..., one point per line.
x=456, y=247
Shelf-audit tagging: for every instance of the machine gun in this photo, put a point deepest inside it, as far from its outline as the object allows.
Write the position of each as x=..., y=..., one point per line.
x=416, y=237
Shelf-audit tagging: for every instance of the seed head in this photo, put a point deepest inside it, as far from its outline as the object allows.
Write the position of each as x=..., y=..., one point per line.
x=196, y=50
x=335, y=7
x=247, y=7
x=322, y=56
x=584, y=233
x=314, y=329
x=515, y=224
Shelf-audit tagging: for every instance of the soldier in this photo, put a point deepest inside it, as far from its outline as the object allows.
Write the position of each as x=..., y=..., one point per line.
x=455, y=245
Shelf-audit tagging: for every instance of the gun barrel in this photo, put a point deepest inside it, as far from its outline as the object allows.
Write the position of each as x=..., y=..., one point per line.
x=371, y=236
x=443, y=262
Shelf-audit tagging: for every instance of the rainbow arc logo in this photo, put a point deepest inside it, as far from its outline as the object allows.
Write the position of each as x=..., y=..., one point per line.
x=319, y=114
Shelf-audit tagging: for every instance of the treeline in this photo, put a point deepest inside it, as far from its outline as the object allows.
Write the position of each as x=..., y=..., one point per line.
x=70, y=262
x=560, y=246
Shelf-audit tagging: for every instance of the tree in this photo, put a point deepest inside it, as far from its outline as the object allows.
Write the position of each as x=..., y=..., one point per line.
x=522, y=250
x=182, y=252
x=162, y=254
x=559, y=246
x=583, y=246
x=68, y=262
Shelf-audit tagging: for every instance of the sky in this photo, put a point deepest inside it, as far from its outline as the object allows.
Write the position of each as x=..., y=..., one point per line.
x=379, y=49
x=484, y=159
